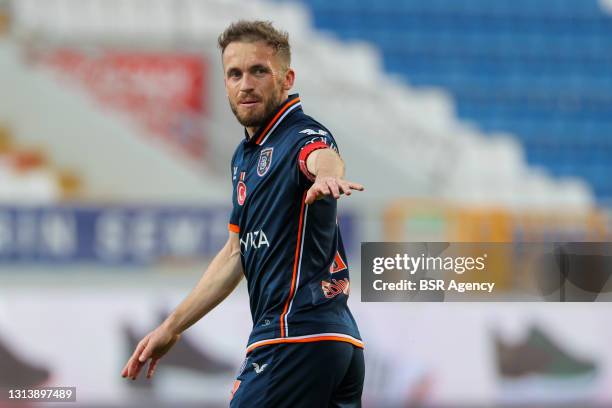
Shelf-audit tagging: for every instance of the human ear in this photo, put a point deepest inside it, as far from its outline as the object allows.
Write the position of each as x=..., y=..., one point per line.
x=289, y=79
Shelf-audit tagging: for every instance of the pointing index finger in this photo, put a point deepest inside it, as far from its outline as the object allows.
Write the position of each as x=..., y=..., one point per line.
x=356, y=186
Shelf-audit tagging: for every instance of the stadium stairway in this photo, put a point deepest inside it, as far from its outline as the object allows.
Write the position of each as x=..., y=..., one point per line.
x=102, y=147
x=29, y=176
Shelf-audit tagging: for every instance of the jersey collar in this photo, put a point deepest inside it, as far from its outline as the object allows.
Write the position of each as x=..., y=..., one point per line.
x=289, y=105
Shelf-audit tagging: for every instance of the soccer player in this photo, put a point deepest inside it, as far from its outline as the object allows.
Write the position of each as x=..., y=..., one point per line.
x=305, y=349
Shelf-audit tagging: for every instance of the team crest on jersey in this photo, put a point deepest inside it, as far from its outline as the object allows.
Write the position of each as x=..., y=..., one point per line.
x=265, y=160
x=335, y=287
x=338, y=264
x=241, y=192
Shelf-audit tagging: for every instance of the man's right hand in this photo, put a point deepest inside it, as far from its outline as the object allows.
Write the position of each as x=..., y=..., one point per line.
x=220, y=279
x=153, y=346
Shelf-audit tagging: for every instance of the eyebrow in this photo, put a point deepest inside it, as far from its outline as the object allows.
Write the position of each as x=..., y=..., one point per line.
x=259, y=66
x=265, y=68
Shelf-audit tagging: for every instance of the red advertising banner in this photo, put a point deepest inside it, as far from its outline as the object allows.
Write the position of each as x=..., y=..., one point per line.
x=165, y=92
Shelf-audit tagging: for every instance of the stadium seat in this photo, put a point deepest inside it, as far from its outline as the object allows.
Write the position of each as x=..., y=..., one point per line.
x=540, y=69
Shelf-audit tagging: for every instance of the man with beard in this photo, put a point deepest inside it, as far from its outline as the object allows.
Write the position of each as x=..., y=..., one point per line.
x=305, y=349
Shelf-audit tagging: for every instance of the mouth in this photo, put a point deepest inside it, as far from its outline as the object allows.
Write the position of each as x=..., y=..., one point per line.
x=249, y=102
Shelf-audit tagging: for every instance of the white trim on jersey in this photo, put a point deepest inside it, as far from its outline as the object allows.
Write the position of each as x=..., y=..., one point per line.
x=298, y=339
x=279, y=121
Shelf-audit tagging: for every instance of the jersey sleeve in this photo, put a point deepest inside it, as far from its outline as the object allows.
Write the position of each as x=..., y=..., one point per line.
x=310, y=141
x=233, y=225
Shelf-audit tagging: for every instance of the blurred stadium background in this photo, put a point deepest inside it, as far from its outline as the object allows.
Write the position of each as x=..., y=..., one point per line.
x=467, y=120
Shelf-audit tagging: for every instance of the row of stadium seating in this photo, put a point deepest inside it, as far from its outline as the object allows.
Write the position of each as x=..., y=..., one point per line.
x=590, y=93
x=437, y=27
x=420, y=146
x=539, y=69
x=503, y=8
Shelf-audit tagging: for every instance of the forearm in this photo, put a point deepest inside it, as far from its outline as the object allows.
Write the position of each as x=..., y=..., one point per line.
x=220, y=279
x=325, y=163
x=328, y=170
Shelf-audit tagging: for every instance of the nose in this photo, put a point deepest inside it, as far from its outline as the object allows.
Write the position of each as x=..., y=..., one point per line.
x=247, y=84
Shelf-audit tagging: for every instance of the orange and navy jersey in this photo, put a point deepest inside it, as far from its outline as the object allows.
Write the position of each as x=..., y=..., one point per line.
x=292, y=253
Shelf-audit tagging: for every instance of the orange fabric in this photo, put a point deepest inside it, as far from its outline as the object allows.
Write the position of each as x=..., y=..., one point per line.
x=234, y=228
x=354, y=342
x=235, y=388
x=303, y=157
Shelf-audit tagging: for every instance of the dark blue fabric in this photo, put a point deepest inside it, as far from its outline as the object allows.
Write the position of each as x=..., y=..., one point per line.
x=308, y=375
x=269, y=222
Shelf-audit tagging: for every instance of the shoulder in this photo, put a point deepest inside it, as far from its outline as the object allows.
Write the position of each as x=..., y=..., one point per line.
x=308, y=126
x=307, y=130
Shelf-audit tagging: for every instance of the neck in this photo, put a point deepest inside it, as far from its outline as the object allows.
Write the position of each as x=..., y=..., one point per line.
x=251, y=131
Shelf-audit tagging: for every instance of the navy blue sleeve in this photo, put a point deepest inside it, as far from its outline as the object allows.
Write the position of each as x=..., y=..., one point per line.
x=233, y=220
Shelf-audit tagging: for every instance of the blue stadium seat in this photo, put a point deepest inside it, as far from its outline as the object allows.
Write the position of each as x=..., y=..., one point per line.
x=539, y=68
